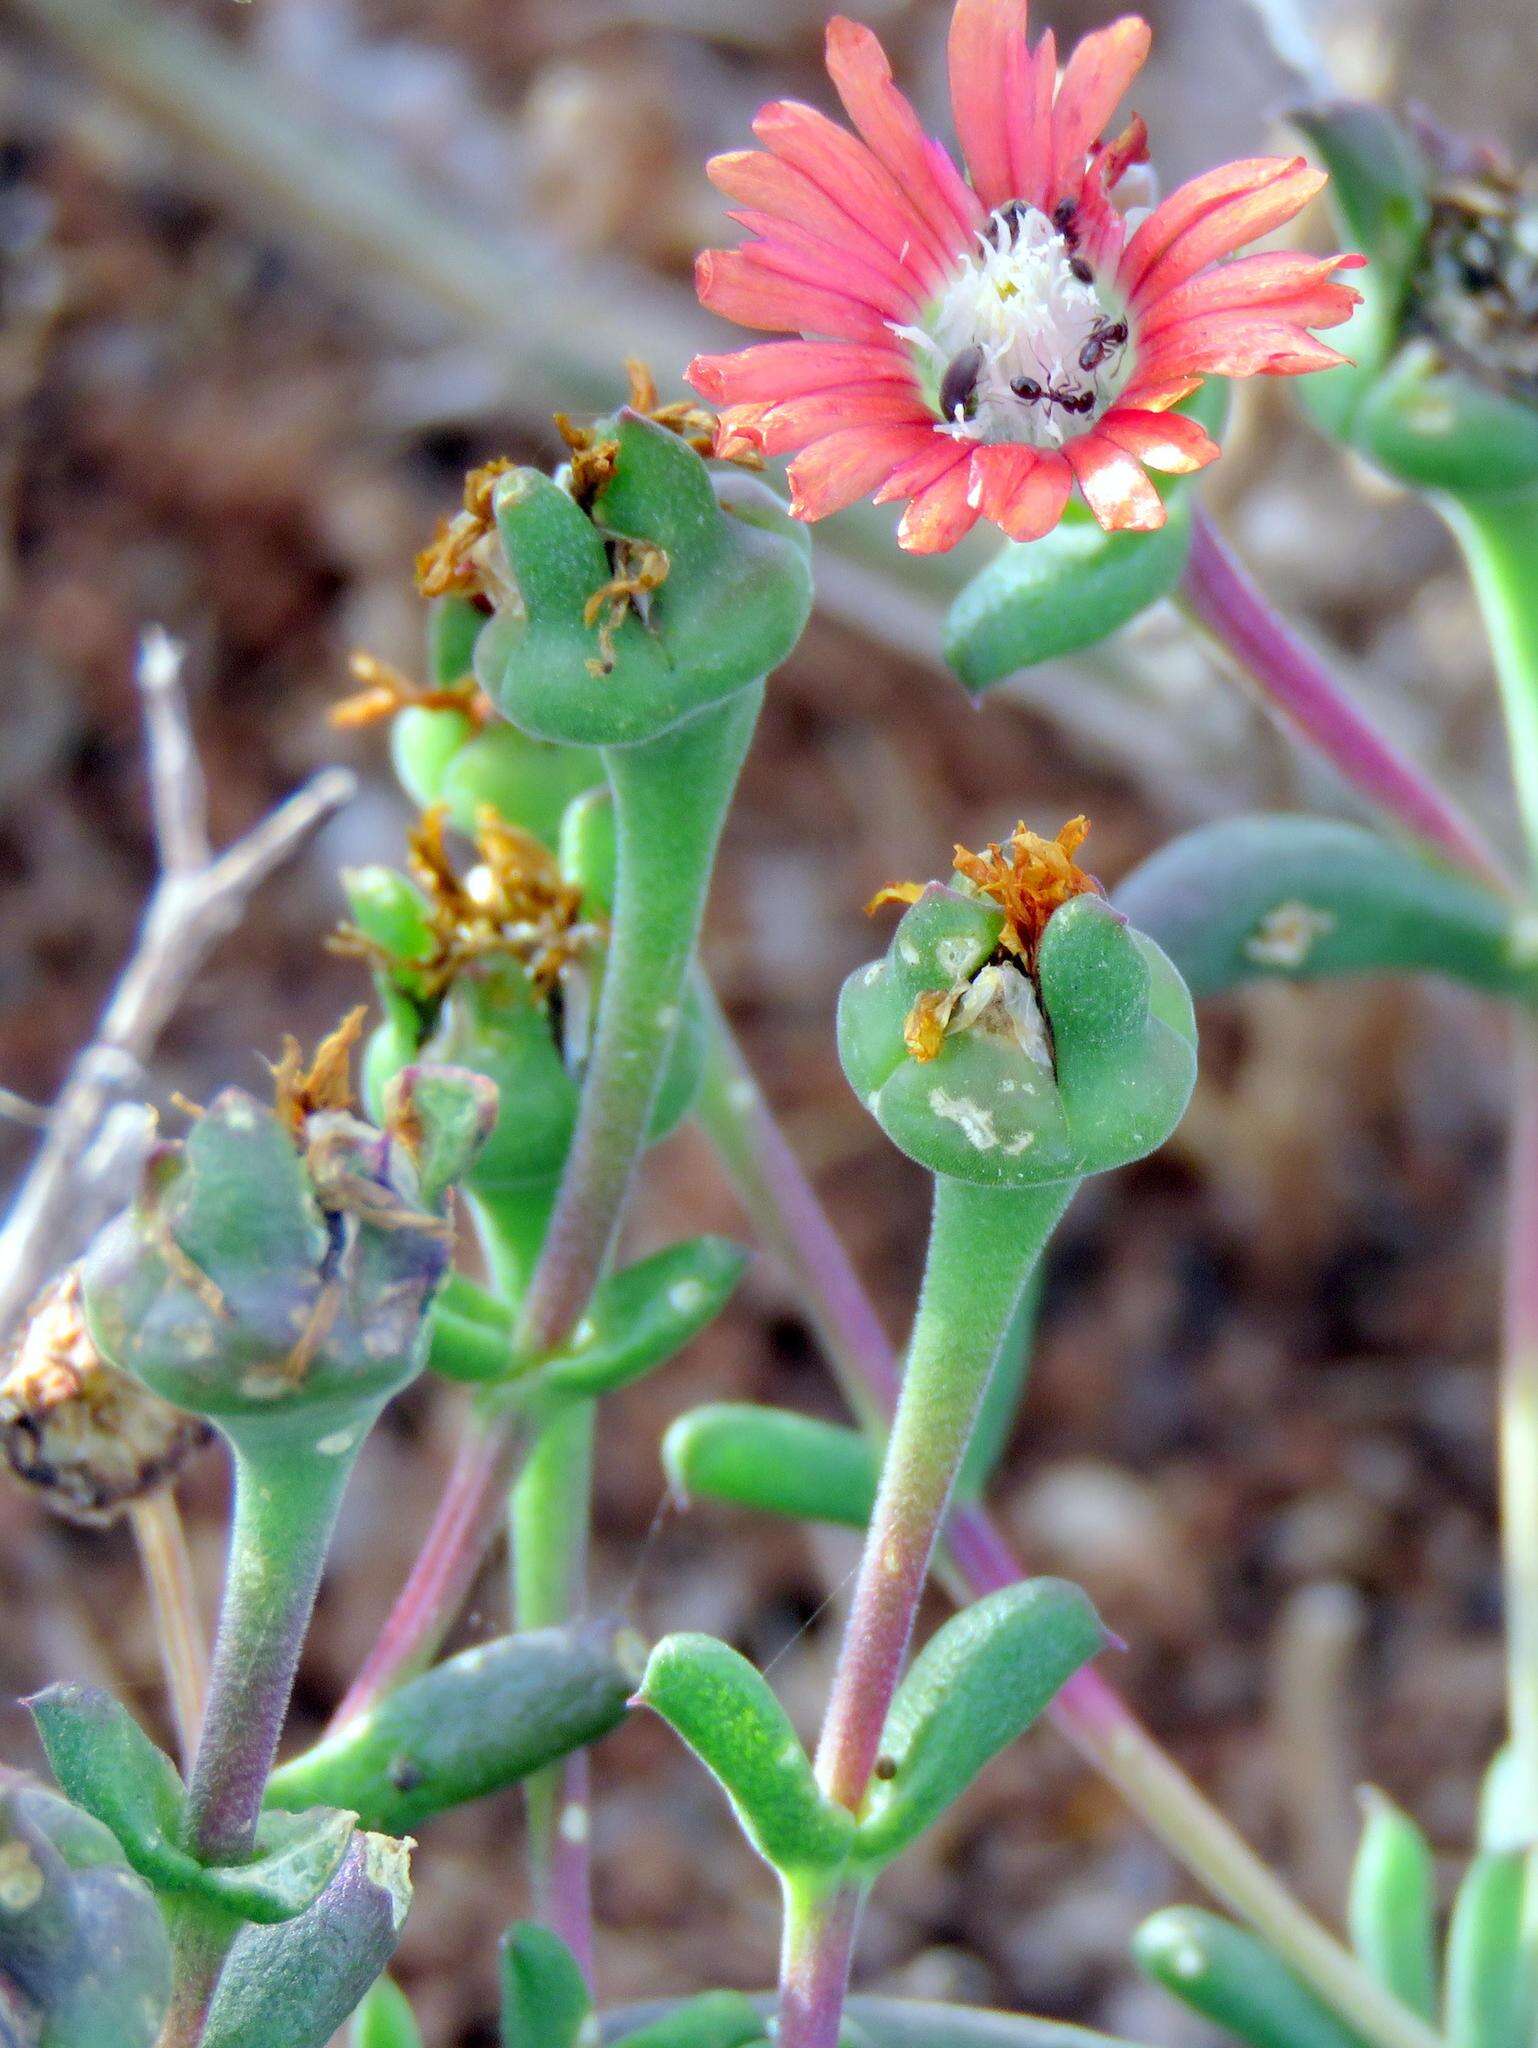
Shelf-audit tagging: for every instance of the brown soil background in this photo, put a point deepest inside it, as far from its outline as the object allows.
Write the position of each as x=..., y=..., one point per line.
x=1260, y=1428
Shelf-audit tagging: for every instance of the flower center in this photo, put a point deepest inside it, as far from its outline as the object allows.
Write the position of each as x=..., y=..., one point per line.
x=1020, y=346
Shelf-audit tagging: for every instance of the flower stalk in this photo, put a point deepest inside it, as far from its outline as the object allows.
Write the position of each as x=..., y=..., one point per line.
x=1219, y=596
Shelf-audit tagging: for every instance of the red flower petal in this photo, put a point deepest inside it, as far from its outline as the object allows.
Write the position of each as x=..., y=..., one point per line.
x=887, y=124
x=1114, y=486
x=1275, y=278
x=1096, y=80
x=792, y=252
x=1188, y=203
x=1030, y=80
x=1167, y=441
x=940, y=515
x=847, y=172
x=798, y=421
x=981, y=31
x=1239, y=344
x=775, y=370
x=752, y=177
x=729, y=283
x=927, y=467
x=846, y=466
x=1154, y=394
x=1227, y=226
x=1022, y=490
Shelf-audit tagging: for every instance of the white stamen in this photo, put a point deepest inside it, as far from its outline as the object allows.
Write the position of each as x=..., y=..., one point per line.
x=1018, y=300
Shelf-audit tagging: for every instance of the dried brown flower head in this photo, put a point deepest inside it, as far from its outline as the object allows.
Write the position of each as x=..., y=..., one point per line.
x=88, y=1438
x=383, y=691
x=464, y=556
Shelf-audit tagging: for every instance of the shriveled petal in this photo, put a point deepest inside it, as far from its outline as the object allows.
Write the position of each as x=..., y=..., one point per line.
x=1022, y=490
x=1240, y=344
x=792, y=252
x=1164, y=440
x=798, y=421
x=755, y=178
x=731, y=284
x=981, y=31
x=848, y=465
x=890, y=129
x=1114, y=486
x=1296, y=288
x=941, y=514
x=845, y=169
x=774, y=370
x=1102, y=227
x=1228, y=226
x=1187, y=203
x=1096, y=80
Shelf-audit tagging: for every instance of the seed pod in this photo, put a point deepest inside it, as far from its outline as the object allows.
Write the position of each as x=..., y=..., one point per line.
x=89, y=1439
x=650, y=586
x=1017, y=1032
x=285, y=1258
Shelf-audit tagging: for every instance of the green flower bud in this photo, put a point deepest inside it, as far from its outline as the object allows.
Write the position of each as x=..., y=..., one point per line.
x=285, y=1258
x=1018, y=1032
x=84, y=1958
x=649, y=586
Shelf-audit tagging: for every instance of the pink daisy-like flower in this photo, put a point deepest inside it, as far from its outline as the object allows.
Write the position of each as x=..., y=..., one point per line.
x=978, y=347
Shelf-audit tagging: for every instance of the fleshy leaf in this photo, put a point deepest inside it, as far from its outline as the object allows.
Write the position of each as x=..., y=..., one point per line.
x=385, y=2019
x=1296, y=897
x=769, y=1458
x=443, y=1116
x=727, y=1714
x=1234, y=1980
x=545, y=2002
x=645, y=1315
x=979, y=1683
x=1491, y=1993
x=1393, y=1905
x=716, y=2019
x=106, y=1764
x=297, y=1855
x=481, y=1720
x=299, y=1982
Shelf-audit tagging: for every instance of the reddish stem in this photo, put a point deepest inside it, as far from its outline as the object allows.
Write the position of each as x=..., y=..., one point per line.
x=1221, y=596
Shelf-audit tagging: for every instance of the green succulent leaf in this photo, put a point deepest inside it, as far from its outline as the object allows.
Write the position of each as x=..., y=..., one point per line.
x=977, y=1685
x=1234, y=1980
x=1507, y=1819
x=716, y=2019
x=297, y=1855
x=385, y=2019
x=724, y=1710
x=84, y=1957
x=770, y=1459
x=896, y=2023
x=645, y=1315
x=107, y=1765
x=300, y=1981
x=1492, y=1991
x=545, y=2002
x=1054, y=596
x=589, y=848
x=1300, y=897
x=1433, y=426
x=1393, y=1905
x=475, y=1723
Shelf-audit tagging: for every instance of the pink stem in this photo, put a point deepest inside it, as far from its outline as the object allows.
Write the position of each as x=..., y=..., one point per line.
x=468, y=1518
x=1221, y=596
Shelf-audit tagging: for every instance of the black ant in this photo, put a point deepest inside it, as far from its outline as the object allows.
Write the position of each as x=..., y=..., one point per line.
x=1105, y=337
x=1031, y=392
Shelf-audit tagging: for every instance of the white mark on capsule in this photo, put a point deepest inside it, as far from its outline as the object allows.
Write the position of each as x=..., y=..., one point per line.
x=872, y=974
x=667, y=1016
x=338, y=1443
x=686, y=1297
x=973, y=1121
x=909, y=952
x=574, y=1823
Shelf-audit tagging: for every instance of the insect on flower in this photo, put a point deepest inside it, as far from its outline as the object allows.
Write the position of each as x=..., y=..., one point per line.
x=976, y=346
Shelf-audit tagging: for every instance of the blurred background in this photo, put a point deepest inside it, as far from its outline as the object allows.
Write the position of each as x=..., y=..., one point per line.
x=274, y=275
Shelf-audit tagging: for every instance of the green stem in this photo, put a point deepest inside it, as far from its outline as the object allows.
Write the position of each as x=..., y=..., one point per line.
x=201, y=1936
x=983, y=1244
x=549, y=1512
x=287, y=1496
x=1499, y=538
x=670, y=802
